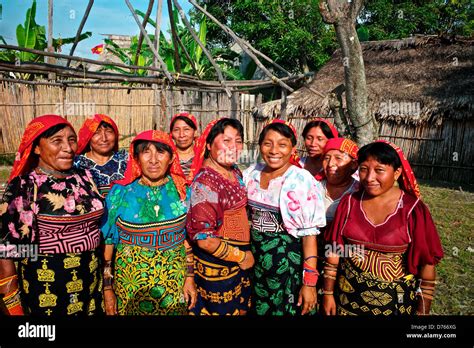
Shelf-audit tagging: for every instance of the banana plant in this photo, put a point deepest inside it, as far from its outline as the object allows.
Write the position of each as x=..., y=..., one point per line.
x=33, y=36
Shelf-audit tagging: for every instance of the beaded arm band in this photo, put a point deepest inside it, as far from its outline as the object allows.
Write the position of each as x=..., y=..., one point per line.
x=310, y=274
x=228, y=252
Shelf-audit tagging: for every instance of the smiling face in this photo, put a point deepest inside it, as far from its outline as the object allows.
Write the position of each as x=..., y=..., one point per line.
x=154, y=162
x=276, y=150
x=338, y=166
x=57, y=151
x=103, y=140
x=183, y=135
x=314, y=141
x=377, y=178
x=226, y=147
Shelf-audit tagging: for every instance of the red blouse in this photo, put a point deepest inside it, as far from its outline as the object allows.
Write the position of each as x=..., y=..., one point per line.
x=409, y=229
x=217, y=207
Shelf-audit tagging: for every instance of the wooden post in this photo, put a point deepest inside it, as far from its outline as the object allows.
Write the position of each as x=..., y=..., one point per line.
x=51, y=76
x=174, y=36
x=283, y=104
x=79, y=30
x=157, y=30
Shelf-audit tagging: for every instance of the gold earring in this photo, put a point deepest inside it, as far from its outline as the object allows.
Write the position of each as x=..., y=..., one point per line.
x=395, y=183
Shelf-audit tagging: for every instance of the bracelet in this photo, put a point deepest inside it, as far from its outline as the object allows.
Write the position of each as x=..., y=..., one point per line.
x=107, y=282
x=227, y=252
x=328, y=292
x=327, y=276
x=108, y=288
x=310, y=257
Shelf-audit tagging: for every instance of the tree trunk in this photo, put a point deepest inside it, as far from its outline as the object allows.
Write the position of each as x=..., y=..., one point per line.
x=356, y=86
x=343, y=15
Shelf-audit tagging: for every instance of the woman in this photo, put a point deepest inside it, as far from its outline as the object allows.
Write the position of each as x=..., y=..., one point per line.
x=339, y=164
x=145, y=222
x=387, y=240
x=316, y=133
x=287, y=212
x=57, y=210
x=183, y=130
x=98, y=151
x=217, y=223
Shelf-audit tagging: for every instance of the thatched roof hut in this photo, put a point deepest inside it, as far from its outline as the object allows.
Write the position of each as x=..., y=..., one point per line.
x=421, y=91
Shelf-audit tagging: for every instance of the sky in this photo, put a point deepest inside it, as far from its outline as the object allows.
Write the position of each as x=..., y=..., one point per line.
x=106, y=17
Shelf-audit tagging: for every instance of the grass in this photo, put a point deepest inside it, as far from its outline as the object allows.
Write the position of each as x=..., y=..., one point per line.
x=453, y=212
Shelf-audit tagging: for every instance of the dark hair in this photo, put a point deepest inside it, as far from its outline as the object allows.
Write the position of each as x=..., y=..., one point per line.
x=324, y=128
x=105, y=125
x=281, y=128
x=141, y=145
x=49, y=133
x=186, y=120
x=382, y=152
x=220, y=127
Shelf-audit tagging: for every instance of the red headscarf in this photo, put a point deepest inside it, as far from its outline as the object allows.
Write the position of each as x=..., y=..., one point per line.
x=187, y=115
x=196, y=164
x=341, y=144
x=134, y=170
x=410, y=184
x=333, y=129
x=90, y=127
x=200, y=149
x=34, y=129
x=294, y=159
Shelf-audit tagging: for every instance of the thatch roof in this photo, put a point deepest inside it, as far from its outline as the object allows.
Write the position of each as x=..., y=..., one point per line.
x=429, y=73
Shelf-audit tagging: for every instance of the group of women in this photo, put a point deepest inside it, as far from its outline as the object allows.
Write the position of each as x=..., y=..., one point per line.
x=173, y=227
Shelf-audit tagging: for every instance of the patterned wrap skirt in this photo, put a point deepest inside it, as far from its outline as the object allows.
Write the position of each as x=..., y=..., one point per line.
x=223, y=287
x=150, y=281
x=277, y=274
x=361, y=291
x=62, y=284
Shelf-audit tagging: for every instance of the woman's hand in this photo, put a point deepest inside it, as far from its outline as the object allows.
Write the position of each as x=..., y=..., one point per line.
x=308, y=298
x=329, y=305
x=248, y=262
x=190, y=292
x=110, y=302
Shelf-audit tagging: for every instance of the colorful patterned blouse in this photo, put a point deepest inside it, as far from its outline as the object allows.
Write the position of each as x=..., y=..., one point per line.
x=152, y=217
x=104, y=174
x=210, y=196
x=296, y=194
x=62, y=215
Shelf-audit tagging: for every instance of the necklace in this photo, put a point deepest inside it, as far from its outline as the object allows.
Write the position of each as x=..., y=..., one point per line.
x=55, y=172
x=154, y=190
x=147, y=182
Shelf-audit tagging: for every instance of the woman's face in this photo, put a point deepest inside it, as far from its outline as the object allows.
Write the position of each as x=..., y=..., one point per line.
x=154, y=163
x=103, y=140
x=377, y=178
x=338, y=166
x=276, y=150
x=57, y=151
x=315, y=141
x=183, y=135
x=226, y=147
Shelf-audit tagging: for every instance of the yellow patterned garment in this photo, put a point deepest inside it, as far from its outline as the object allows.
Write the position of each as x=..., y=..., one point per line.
x=150, y=282
x=375, y=285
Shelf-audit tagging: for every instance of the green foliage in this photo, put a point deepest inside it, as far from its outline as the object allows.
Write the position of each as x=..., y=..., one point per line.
x=201, y=67
x=33, y=36
x=388, y=19
x=291, y=33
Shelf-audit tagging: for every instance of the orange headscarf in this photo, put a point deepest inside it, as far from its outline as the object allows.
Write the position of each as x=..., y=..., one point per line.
x=34, y=129
x=410, y=184
x=134, y=170
x=294, y=159
x=341, y=144
x=187, y=115
x=90, y=127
